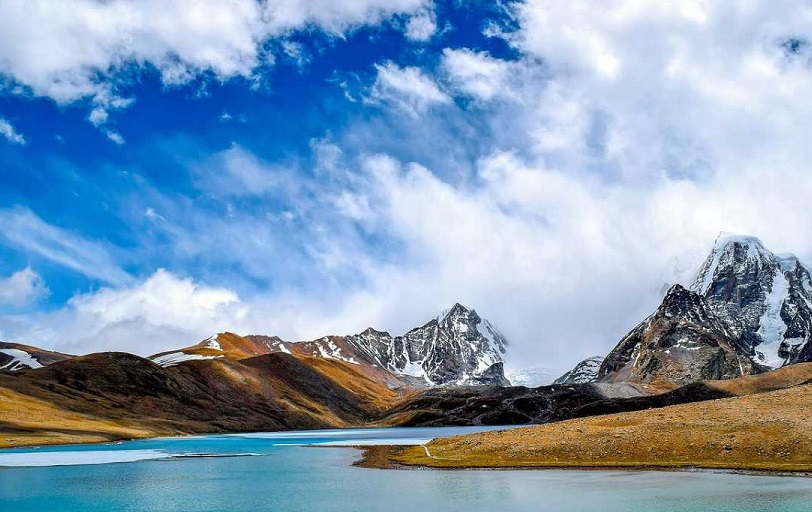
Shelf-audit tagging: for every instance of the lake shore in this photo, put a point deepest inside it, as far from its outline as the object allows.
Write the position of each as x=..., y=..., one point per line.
x=766, y=432
x=402, y=458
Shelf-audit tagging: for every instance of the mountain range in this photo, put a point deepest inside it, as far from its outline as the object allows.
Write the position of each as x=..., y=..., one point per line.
x=746, y=311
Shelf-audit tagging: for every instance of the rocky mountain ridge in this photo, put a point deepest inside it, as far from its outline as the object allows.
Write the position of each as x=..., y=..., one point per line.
x=747, y=311
x=456, y=348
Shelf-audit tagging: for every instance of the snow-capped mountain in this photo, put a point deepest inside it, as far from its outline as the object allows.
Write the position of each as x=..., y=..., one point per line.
x=683, y=341
x=748, y=310
x=458, y=347
x=765, y=299
x=583, y=373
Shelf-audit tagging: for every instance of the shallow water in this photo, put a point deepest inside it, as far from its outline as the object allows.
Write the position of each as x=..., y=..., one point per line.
x=275, y=472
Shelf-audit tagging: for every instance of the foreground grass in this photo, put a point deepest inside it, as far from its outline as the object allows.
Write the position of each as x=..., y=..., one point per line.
x=28, y=421
x=764, y=432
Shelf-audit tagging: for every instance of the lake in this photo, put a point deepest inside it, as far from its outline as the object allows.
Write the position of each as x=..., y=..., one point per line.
x=275, y=472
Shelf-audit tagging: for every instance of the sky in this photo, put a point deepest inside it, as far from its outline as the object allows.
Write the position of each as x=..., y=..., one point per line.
x=169, y=170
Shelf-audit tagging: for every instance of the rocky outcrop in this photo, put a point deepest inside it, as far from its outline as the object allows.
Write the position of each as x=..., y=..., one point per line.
x=458, y=347
x=583, y=373
x=764, y=299
x=682, y=342
x=748, y=311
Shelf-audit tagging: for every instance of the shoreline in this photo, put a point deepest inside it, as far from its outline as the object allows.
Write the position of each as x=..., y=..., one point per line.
x=392, y=457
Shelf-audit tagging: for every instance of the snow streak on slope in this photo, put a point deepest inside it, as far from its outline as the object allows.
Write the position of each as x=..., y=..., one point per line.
x=20, y=360
x=174, y=358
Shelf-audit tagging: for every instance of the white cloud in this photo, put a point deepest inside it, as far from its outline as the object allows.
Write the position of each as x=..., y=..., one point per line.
x=24, y=230
x=421, y=26
x=476, y=73
x=98, y=116
x=115, y=137
x=84, y=48
x=410, y=89
x=160, y=313
x=22, y=287
x=236, y=172
x=7, y=130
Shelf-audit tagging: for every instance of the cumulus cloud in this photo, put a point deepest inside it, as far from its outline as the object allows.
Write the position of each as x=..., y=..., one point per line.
x=22, y=287
x=475, y=73
x=86, y=48
x=8, y=131
x=162, y=312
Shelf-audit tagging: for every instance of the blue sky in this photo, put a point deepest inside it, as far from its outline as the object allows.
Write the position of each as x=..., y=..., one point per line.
x=308, y=167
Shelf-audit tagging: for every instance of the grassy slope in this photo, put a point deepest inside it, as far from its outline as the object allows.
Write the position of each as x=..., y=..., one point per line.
x=767, y=431
x=30, y=421
x=102, y=397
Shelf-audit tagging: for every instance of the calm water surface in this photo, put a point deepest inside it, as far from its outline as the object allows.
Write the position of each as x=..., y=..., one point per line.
x=274, y=472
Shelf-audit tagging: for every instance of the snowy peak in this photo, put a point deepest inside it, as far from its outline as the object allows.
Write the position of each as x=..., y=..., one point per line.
x=765, y=299
x=457, y=347
x=748, y=310
x=583, y=373
x=737, y=254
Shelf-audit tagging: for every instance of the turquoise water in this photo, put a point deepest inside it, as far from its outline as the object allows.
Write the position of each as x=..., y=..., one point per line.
x=273, y=472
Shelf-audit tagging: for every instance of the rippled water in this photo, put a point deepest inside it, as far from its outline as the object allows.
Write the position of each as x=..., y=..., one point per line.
x=274, y=472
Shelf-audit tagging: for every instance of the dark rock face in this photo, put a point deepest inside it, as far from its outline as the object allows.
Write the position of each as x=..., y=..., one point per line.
x=583, y=373
x=458, y=348
x=682, y=342
x=748, y=311
x=763, y=298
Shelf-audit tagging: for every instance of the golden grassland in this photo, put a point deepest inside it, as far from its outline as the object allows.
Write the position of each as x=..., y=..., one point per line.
x=334, y=395
x=763, y=432
x=27, y=421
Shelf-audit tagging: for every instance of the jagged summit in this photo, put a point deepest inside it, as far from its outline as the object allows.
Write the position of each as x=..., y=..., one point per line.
x=583, y=373
x=753, y=306
x=764, y=298
x=732, y=251
x=456, y=348
x=456, y=310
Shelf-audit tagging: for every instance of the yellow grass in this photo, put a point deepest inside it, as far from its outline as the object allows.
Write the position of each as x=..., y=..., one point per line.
x=768, y=431
x=26, y=421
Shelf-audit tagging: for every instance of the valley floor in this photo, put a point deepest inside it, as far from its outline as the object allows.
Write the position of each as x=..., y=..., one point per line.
x=761, y=432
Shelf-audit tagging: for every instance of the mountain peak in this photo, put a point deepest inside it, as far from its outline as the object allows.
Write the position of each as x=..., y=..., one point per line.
x=724, y=238
x=743, y=254
x=456, y=310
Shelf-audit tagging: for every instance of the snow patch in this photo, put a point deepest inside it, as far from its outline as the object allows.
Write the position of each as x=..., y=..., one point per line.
x=20, y=359
x=414, y=368
x=332, y=351
x=213, y=344
x=174, y=358
x=771, y=327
